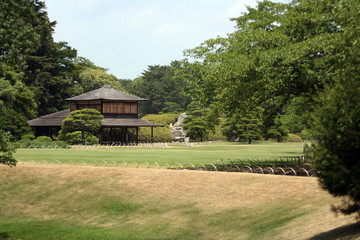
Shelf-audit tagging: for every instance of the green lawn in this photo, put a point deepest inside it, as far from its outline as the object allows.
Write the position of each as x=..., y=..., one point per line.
x=198, y=154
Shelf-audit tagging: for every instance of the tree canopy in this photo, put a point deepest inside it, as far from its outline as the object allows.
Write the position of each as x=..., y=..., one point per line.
x=37, y=73
x=335, y=125
x=92, y=78
x=87, y=121
x=277, y=53
x=165, y=93
x=245, y=127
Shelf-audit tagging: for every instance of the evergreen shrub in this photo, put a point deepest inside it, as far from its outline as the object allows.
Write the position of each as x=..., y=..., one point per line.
x=293, y=138
x=39, y=143
x=161, y=134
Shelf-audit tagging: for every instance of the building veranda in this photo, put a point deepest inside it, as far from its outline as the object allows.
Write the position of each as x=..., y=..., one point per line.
x=120, y=110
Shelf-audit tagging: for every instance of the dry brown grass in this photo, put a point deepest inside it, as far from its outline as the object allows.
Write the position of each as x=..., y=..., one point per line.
x=208, y=192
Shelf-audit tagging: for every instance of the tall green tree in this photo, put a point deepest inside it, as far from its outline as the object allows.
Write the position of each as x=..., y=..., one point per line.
x=27, y=45
x=278, y=52
x=93, y=78
x=277, y=131
x=335, y=125
x=158, y=85
x=13, y=122
x=17, y=103
x=6, y=150
x=244, y=127
x=336, y=135
x=196, y=124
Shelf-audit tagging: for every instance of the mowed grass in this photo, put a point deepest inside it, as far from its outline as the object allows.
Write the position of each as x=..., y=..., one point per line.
x=198, y=154
x=84, y=202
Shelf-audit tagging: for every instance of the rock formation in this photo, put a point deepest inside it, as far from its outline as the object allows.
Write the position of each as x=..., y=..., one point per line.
x=178, y=133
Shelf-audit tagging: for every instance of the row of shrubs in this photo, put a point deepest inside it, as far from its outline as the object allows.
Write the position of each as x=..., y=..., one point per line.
x=29, y=141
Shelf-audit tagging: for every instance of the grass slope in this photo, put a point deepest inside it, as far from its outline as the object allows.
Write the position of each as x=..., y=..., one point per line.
x=199, y=154
x=74, y=202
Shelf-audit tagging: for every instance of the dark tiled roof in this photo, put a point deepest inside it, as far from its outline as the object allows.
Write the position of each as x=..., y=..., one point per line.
x=53, y=119
x=56, y=119
x=107, y=93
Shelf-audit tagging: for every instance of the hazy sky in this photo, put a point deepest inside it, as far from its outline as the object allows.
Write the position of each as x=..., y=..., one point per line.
x=126, y=36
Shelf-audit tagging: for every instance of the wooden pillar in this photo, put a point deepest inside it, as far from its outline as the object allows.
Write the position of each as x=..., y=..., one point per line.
x=137, y=135
x=110, y=133
x=101, y=135
x=122, y=135
x=152, y=134
x=51, y=133
x=127, y=135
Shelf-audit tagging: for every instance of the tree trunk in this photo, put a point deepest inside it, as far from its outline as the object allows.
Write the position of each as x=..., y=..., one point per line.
x=83, y=137
x=250, y=141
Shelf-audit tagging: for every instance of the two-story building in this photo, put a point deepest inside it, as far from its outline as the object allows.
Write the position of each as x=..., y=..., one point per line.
x=120, y=111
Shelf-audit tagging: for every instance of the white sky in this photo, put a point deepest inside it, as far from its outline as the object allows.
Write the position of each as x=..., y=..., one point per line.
x=126, y=36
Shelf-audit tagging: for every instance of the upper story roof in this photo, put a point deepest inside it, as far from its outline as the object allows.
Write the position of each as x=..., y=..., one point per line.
x=106, y=93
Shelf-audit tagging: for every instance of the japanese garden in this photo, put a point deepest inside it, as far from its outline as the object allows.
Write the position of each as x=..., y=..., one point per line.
x=255, y=135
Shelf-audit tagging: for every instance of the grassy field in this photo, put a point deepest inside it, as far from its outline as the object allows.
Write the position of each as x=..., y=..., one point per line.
x=198, y=154
x=85, y=202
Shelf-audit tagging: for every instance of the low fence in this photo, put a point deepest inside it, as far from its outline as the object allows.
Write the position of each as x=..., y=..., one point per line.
x=292, y=166
x=115, y=145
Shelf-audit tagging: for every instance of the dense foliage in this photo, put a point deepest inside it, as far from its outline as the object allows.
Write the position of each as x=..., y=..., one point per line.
x=84, y=123
x=279, y=52
x=6, y=150
x=196, y=123
x=29, y=141
x=161, y=134
x=37, y=73
x=165, y=93
x=245, y=127
x=336, y=129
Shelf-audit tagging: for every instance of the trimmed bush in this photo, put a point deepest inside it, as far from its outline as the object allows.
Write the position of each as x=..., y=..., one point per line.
x=43, y=139
x=165, y=119
x=25, y=143
x=29, y=136
x=40, y=142
x=293, y=138
x=161, y=134
x=75, y=138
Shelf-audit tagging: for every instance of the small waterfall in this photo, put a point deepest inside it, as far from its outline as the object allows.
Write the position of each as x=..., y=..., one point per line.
x=178, y=133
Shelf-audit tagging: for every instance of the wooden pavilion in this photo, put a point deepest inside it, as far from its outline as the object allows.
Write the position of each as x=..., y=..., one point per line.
x=120, y=112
